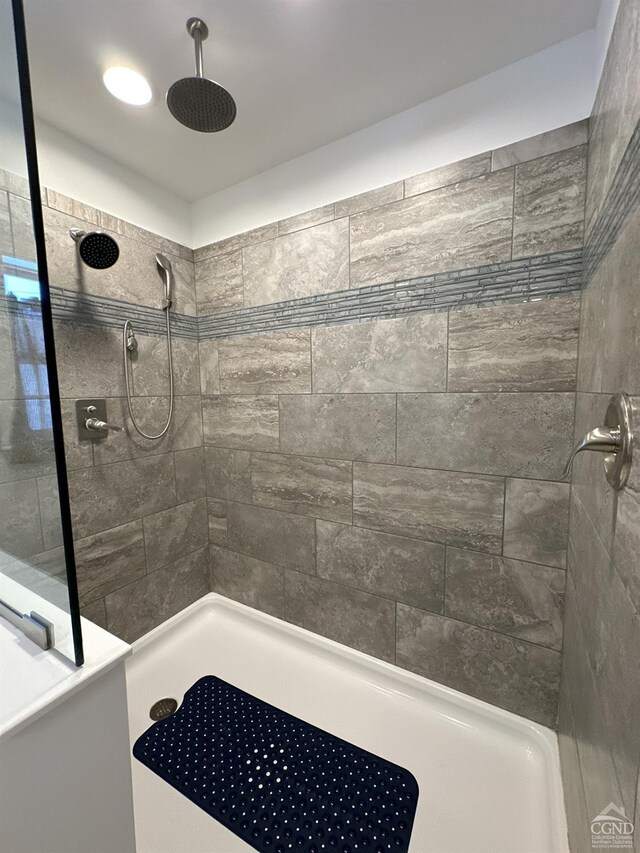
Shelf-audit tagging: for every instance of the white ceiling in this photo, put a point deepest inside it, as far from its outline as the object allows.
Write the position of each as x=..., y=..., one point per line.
x=303, y=72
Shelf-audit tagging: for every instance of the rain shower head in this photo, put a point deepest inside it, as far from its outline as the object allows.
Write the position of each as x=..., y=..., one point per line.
x=98, y=250
x=196, y=102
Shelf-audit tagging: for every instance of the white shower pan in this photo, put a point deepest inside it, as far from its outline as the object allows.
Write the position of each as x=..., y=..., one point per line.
x=489, y=780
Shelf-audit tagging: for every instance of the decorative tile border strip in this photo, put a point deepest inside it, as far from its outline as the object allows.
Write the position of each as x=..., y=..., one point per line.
x=81, y=309
x=524, y=280
x=546, y=276
x=622, y=199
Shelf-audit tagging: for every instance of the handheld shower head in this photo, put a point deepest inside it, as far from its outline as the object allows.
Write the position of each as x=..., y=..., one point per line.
x=165, y=271
x=96, y=249
x=196, y=102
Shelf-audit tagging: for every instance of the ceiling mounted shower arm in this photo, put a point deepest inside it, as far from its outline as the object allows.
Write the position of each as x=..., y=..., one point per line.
x=198, y=31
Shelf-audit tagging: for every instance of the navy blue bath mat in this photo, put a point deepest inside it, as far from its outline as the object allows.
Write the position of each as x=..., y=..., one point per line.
x=277, y=782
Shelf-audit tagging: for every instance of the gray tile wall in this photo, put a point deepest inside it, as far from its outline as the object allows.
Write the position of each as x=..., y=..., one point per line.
x=335, y=495
x=139, y=507
x=521, y=201
x=424, y=526
x=394, y=483
x=600, y=683
x=30, y=528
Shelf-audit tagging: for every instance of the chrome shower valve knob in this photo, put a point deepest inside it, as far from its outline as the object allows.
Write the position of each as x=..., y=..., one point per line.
x=97, y=424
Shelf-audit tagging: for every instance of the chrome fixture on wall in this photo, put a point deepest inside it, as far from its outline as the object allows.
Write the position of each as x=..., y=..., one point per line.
x=615, y=439
x=96, y=249
x=130, y=346
x=91, y=420
x=196, y=102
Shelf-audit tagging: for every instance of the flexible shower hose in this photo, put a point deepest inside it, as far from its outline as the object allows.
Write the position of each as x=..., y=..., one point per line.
x=126, y=379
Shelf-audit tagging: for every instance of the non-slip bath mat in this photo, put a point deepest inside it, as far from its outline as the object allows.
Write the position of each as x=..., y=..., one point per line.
x=277, y=782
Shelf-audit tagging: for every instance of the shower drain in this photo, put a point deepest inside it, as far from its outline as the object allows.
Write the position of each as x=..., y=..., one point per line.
x=163, y=708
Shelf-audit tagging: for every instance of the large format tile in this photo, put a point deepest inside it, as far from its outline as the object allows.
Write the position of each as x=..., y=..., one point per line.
x=320, y=488
x=175, y=532
x=219, y=284
x=304, y=263
x=24, y=245
x=277, y=537
x=590, y=730
x=516, y=435
x=550, y=142
x=593, y=319
x=450, y=508
x=128, y=229
x=95, y=612
x=26, y=453
x=536, y=521
x=305, y=220
x=357, y=619
x=619, y=317
x=249, y=422
x=78, y=454
x=512, y=674
x=509, y=596
x=549, y=203
x=617, y=107
x=228, y=474
x=589, y=484
x=17, y=184
x=591, y=571
x=452, y=173
x=627, y=542
x=578, y=821
x=209, y=368
x=20, y=530
x=9, y=383
x=149, y=369
x=273, y=363
x=6, y=238
x=133, y=279
x=151, y=413
x=527, y=347
x=108, y=560
x=370, y=198
x=190, y=474
x=407, y=354
x=621, y=634
x=110, y=495
x=49, y=503
x=140, y=606
x=347, y=426
x=451, y=228
x=391, y=566
x=621, y=639
x=245, y=579
x=217, y=513
x=89, y=361
x=238, y=241
x=73, y=207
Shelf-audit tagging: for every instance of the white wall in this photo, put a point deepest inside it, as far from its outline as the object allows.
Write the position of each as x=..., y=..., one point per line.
x=554, y=87
x=75, y=169
x=544, y=91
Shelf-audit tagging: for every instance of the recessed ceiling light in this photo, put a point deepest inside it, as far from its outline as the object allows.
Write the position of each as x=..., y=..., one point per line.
x=127, y=85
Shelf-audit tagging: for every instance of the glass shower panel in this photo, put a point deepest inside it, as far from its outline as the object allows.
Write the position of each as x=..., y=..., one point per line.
x=37, y=574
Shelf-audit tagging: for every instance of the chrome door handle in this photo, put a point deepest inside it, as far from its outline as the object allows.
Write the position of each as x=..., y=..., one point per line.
x=615, y=439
